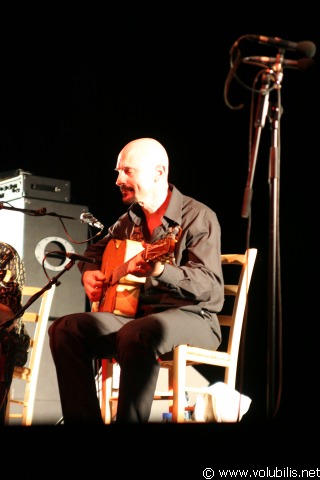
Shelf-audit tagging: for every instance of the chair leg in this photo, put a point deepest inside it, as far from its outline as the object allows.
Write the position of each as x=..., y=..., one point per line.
x=7, y=408
x=170, y=388
x=106, y=389
x=179, y=383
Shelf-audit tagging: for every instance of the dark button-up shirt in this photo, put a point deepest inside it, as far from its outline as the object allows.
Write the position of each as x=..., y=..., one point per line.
x=193, y=280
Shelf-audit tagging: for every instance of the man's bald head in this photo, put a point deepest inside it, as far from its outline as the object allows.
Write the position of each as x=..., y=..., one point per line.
x=145, y=151
x=143, y=168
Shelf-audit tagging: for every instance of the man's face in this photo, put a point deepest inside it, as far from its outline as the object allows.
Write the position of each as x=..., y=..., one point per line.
x=135, y=179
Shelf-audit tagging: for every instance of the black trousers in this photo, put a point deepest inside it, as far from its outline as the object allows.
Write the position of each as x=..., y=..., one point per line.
x=76, y=339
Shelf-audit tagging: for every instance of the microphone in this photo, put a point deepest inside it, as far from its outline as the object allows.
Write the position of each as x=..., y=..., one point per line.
x=301, y=64
x=87, y=217
x=306, y=48
x=72, y=256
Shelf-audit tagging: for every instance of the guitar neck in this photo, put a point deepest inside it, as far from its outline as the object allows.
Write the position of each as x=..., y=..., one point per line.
x=160, y=250
x=122, y=270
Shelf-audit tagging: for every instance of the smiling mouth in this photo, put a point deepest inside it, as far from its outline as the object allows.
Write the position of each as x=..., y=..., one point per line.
x=128, y=194
x=124, y=189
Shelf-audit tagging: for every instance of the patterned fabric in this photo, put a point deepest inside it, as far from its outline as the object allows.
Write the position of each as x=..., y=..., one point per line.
x=12, y=277
x=15, y=341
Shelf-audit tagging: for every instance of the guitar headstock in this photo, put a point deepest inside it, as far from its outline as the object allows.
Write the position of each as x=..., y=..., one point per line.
x=162, y=250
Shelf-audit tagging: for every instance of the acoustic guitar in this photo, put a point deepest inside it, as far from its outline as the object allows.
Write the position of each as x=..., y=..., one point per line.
x=121, y=290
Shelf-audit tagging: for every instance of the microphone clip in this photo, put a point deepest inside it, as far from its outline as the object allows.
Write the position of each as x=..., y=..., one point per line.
x=87, y=217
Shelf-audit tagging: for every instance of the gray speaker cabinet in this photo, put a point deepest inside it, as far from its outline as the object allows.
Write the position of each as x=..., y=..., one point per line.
x=33, y=236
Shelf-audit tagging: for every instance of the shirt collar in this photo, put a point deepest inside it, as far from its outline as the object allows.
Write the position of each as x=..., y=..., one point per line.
x=172, y=214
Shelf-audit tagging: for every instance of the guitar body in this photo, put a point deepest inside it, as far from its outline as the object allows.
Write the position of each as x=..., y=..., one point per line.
x=122, y=297
x=121, y=290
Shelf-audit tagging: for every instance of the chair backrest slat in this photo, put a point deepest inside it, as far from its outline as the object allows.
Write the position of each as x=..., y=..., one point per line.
x=36, y=321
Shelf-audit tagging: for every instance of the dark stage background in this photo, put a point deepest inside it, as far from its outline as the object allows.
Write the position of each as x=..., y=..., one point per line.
x=71, y=101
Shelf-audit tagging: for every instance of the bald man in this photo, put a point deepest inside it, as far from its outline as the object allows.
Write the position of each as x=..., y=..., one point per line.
x=156, y=283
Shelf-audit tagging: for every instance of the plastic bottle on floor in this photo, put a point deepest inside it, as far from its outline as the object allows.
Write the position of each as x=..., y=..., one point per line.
x=166, y=417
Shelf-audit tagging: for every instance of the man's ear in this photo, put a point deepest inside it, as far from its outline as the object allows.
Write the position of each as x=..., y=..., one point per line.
x=160, y=171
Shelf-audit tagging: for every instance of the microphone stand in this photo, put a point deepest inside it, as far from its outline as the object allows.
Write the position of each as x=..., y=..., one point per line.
x=261, y=114
x=9, y=324
x=274, y=112
x=37, y=213
x=274, y=254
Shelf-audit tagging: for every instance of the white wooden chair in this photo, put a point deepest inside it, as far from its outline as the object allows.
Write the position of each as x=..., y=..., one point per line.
x=185, y=355
x=36, y=319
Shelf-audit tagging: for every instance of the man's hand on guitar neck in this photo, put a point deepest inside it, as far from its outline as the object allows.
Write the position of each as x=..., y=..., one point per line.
x=93, y=281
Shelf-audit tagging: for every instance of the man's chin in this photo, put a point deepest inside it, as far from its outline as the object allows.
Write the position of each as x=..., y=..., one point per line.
x=127, y=199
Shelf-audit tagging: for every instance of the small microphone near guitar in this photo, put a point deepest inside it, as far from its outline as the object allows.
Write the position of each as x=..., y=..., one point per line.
x=72, y=256
x=87, y=217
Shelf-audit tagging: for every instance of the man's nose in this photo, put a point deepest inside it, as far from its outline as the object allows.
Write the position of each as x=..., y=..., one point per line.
x=119, y=180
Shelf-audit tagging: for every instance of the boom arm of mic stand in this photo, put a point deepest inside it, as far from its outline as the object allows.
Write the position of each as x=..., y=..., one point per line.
x=9, y=324
x=37, y=213
x=261, y=114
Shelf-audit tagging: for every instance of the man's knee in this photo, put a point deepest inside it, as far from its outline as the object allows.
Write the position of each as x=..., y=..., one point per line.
x=140, y=334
